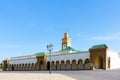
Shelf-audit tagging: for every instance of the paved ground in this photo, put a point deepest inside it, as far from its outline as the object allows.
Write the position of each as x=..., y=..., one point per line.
x=61, y=75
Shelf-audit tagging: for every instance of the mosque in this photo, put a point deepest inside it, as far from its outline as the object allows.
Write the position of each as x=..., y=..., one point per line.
x=97, y=57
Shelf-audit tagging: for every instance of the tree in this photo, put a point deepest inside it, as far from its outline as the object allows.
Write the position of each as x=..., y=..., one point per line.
x=1, y=66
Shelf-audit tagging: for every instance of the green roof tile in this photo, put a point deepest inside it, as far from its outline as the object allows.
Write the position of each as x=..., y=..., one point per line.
x=40, y=54
x=6, y=59
x=70, y=49
x=101, y=46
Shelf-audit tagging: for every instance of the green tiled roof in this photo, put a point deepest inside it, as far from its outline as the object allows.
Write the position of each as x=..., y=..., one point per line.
x=6, y=59
x=40, y=54
x=101, y=46
x=70, y=49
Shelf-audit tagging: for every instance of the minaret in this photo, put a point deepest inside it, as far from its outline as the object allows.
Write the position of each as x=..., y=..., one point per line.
x=66, y=41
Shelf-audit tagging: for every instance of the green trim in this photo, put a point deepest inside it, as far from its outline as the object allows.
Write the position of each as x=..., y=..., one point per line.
x=101, y=46
x=40, y=54
x=1, y=66
x=70, y=49
x=6, y=59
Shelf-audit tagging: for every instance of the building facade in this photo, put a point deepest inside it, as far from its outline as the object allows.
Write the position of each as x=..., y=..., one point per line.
x=97, y=57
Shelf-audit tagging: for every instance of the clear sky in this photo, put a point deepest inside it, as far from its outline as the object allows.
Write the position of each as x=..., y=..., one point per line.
x=27, y=26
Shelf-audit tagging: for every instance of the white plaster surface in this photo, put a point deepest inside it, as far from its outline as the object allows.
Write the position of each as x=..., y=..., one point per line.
x=70, y=56
x=114, y=59
x=23, y=61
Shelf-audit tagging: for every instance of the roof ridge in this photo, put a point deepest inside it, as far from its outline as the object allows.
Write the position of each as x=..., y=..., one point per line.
x=99, y=46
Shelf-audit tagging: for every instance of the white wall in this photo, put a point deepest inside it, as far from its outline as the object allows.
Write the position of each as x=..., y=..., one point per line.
x=114, y=59
x=23, y=61
x=55, y=57
x=70, y=56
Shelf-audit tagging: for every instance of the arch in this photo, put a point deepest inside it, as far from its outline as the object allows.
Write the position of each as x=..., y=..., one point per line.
x=48, y=65
x=87, y=64
x=25, y=66
x=62, y=65
x=57, y=65
x=80, y=64
x=109, y=62
x=41, y=65
x=74, y=65
x=53, y=65
x=28, y=67
x=68, y=65
x=12, y=67
x=17, y=67
x=33, y=67
x=98, y=62
x=20, y=67
x=41, y=62
x=37, y=66
x=9, y=67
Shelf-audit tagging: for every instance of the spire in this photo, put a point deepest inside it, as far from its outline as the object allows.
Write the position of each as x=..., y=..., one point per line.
x=66, y=35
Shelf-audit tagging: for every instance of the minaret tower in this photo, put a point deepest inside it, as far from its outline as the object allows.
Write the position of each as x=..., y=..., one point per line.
x=66, y=41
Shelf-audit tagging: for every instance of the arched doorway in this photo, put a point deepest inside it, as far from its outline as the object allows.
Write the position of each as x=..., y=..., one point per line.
x=12, y=67
x=98, y=62
x=29, y=66
x=25, y=66
x=68, y=65
x=19, y=67
x=48, y=65
x=80, y=64
x=33, y=67
x=22, y=67
x=57, y=65
x=41, y=67
x=87, y=64
x=74, y=65
x=53, y=67
x=62, y=65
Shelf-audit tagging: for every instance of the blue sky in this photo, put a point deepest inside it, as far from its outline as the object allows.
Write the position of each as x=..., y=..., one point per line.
x=27, y=26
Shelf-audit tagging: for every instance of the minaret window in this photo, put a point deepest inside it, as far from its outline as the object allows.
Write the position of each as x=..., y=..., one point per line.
x=64, y=46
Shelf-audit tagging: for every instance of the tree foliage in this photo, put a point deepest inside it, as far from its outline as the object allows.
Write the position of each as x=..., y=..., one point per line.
x=1, y=66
